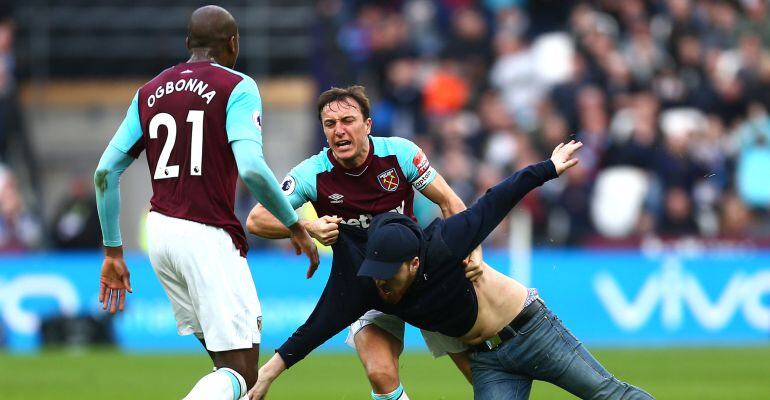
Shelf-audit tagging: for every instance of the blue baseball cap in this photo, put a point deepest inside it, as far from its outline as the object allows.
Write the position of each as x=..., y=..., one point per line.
x=389, y=245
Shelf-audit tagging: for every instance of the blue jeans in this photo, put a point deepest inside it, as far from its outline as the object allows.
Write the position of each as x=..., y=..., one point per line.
x=545, y=350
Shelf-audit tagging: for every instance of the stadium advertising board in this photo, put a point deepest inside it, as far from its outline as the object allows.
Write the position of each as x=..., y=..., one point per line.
x=606, y=298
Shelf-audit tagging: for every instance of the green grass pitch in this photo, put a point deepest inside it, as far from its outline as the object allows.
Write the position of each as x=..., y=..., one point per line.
x=697, y=373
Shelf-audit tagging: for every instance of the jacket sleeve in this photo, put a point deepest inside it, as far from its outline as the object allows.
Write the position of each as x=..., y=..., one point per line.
x=464, y=231
x=345, y=298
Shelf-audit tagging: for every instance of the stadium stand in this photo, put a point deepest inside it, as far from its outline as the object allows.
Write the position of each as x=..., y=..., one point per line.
x=484, y=87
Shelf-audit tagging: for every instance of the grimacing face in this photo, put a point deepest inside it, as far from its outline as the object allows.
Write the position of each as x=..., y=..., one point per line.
x=346, y=131
x=392, y=290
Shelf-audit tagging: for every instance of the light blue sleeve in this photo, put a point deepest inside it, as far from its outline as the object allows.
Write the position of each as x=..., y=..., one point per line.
x=130, y=130
x=244, y=112
x=107, y=188
x=260, y=180
x=299, y=186
x=414, y=164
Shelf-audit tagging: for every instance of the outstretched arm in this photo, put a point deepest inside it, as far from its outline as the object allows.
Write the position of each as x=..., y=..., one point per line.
x=439, y=192
x=345, y=298
x=466, y=230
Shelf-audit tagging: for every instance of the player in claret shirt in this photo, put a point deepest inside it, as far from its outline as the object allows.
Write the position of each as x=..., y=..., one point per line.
x=357, y=177
x=417, y=275
x=200, y=124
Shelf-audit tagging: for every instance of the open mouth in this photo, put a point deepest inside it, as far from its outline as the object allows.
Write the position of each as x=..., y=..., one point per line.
x=342, y=144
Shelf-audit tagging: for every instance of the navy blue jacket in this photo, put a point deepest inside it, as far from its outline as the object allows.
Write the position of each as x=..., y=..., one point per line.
x=440, y=299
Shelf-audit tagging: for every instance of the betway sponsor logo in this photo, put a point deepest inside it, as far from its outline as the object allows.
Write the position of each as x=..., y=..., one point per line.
x=364, y=220
x=673, y=289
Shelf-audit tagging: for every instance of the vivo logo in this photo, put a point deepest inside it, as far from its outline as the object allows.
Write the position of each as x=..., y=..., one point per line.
x=13, y=293
x=673, y=289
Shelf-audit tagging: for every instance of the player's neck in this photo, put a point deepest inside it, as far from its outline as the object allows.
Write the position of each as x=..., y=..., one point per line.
x=197, y=55
x=354, y=162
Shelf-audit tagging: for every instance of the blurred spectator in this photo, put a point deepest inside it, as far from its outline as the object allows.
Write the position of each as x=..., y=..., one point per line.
x=388, y=41
x=469, y=38
x=572, y=210
x=469, y=43
x=76, y=224
x=634, y=133
x=678, y=218
x=399, y=111
x=458, y=169
x=329, y=64
x=642, y=53
x=19, y=229
x=593, y=128
x=552, y=131
x=446, y=91
x=493, y=119
x=515, y=76
x=735, y=218
x=756, y=12
x=673, y=163
x=7, y=82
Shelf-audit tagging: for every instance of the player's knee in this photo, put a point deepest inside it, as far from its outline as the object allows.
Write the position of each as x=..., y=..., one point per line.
x=382, y=376
x=377, y=342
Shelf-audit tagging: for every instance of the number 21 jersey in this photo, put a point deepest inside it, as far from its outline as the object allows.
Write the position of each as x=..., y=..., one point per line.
x=185, y=119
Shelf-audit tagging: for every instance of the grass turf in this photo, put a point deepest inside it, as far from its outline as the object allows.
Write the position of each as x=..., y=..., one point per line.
x=696, y=373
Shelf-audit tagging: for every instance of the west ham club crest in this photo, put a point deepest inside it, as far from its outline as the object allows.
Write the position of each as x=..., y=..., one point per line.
x=388, y=180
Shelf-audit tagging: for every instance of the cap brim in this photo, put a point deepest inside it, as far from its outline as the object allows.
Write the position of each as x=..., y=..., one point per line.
x=379, y=269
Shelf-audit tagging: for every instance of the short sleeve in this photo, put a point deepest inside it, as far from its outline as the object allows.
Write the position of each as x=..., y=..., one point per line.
x=129, y=132
x=299, y=185
x=244, y=112
x=414, y=163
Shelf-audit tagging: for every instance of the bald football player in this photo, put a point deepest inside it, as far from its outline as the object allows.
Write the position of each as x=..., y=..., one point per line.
x=200, y=125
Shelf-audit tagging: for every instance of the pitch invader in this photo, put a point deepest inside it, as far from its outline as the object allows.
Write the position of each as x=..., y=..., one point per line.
x=200, y=125
x=357, y=177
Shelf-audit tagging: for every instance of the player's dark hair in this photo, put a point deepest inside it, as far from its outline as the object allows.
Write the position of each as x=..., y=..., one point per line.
x=356, y=92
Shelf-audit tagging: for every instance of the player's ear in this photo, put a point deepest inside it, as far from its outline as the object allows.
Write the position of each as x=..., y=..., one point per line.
x=368, y=126
x=414, y=264
x=187, y=42
x=232, y=44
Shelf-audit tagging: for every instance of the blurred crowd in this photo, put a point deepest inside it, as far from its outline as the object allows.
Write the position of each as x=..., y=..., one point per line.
x=75, y=223
x=670, y=98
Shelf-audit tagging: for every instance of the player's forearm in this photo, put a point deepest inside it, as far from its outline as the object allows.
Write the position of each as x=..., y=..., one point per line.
x=261, y=182
x=107, y=189
x=264, y=224
x=267, y=192
x=452, y=205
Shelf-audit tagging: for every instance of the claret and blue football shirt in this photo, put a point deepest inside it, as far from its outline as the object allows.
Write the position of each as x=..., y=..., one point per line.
x=381, y=184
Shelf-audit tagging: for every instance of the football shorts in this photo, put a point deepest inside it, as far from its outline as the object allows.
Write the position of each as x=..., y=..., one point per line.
x=207, y=281
x=437, y=343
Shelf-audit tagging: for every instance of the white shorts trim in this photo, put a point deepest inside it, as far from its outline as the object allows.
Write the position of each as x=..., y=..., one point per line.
x=207, y=281
x=437, y=343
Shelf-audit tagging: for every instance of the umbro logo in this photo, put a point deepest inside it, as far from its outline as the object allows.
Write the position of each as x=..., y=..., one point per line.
x=336, y=198
x=187, y=71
